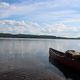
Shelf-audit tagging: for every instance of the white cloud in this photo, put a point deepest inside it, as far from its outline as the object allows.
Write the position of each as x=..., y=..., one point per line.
x=70, y=20
x=7, y=10
x=20, y=27
x=12, y=26
x=4, y=5
x=63, y=30
x=56, y=27
x=53, y=8
x=12, y=22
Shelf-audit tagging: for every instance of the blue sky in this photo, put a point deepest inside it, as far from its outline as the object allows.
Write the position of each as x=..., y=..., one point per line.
x=42, y=17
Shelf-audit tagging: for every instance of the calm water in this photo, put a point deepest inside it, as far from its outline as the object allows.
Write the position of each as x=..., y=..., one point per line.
x=28, y=59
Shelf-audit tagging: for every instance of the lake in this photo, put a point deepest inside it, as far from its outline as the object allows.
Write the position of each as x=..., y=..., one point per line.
x=28, y=59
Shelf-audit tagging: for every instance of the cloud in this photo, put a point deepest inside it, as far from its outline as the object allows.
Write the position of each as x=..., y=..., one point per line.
x=55, y=8
x=56, y=27
x=13, y=26
x=4, y=5
x=56, y=15
x=61, y=29
x=70, y=20
x=8, y=10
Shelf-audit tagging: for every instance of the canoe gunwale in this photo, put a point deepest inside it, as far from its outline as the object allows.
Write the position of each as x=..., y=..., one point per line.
x=56, y=53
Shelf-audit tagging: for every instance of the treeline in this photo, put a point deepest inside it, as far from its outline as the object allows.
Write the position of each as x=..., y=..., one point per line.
x=7, y=35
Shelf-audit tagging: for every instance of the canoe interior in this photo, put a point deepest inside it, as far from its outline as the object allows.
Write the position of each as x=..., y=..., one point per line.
x=56, y=52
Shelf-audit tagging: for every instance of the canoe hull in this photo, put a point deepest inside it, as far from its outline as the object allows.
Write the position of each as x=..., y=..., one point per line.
x=68, y=63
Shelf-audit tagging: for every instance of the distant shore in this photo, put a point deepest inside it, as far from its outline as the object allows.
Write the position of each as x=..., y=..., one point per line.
x=7, y=35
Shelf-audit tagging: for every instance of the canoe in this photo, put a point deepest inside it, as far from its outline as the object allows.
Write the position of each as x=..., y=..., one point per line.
x=70, y=63
x=67, y=72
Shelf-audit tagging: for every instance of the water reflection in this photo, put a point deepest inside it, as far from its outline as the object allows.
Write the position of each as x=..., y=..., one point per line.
x=26, y=59
x=69, y=74
x=29, y=57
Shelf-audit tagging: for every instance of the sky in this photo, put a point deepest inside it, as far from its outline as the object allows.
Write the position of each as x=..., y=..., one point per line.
x=40, y=17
